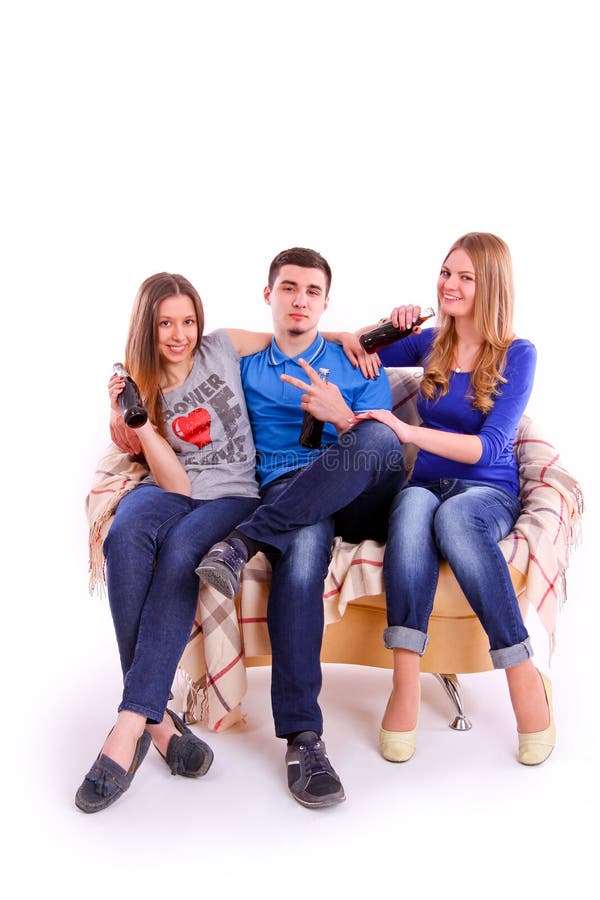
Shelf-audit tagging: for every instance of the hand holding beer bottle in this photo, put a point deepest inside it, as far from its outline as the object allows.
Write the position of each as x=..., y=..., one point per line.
x=322, y=399
x=312, y=428
x=397, y=327
x=129, y=400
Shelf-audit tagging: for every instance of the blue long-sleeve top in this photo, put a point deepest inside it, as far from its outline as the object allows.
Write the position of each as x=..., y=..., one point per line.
x=454, y=412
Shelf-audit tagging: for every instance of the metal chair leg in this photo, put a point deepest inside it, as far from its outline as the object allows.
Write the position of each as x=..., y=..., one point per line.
x=453, y=689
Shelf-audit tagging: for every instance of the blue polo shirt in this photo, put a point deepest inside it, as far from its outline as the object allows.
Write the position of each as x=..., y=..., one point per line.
x=274, y=406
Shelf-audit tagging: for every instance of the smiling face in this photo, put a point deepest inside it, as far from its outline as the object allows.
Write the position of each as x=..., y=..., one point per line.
x=457, y=285
x=177, y=329
x=297, y=299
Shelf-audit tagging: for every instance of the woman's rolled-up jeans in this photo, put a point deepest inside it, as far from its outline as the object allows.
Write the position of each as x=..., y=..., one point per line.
x=460, y=521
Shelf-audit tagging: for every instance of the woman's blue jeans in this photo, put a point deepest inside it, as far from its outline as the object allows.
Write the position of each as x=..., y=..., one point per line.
x=462, y=522
x=152, y=549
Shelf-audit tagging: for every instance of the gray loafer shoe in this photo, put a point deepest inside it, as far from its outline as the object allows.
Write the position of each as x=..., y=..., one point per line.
x=187, y=755
x=107, y=780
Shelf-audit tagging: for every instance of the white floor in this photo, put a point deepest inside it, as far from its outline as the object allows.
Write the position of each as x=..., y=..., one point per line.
x=462, y=819
x=430, y=120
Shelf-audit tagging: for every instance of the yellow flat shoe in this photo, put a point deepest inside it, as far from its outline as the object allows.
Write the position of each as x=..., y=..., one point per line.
x=536, y=746
x=397, y=746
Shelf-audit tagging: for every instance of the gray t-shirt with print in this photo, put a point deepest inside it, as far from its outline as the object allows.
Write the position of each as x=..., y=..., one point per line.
x=207, y=424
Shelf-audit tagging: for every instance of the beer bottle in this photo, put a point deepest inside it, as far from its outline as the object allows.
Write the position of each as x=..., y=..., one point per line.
x=130, y=401
x=385, y=334
x=312, y=429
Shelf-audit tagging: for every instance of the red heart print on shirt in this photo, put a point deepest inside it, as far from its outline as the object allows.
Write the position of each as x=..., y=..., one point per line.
x=194, y=428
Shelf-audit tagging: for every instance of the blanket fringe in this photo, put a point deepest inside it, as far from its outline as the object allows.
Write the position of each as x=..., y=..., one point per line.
x=189, y=698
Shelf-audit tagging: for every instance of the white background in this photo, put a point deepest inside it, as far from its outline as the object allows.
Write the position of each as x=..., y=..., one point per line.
x=203, y=138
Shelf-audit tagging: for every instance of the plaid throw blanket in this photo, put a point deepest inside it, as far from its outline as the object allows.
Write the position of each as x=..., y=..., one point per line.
x=116, y=474
x=211, y=680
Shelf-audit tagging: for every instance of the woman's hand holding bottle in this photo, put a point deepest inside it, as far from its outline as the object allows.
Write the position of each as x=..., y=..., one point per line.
x=404, y=317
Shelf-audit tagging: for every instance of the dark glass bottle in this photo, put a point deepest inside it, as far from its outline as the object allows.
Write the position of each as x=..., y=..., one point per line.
x=385, y=334
x=312, y=429
x=133, y=410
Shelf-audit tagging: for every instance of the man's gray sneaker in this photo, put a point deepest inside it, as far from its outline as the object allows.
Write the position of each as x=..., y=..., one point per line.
x=223, y=565
x=311, y=778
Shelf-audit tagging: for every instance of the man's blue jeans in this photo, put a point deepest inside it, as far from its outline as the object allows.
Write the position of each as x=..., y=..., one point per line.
x=461, y=521
x=346, y=491
x=152, y=549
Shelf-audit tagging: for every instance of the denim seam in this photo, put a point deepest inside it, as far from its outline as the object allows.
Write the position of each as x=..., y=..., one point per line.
x=400, y=637
x=142, y=711
x=506, y=657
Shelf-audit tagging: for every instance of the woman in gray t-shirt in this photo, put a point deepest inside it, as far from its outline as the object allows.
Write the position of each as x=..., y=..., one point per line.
x=198, y=447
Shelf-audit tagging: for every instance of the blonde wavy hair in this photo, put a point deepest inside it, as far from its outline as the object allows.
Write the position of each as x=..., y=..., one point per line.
x=142, y=359
x=493, y=314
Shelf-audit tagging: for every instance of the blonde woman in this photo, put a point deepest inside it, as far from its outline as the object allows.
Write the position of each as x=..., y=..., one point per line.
x=463, y=496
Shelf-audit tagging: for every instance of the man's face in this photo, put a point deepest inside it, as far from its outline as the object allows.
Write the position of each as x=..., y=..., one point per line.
x=297, y=299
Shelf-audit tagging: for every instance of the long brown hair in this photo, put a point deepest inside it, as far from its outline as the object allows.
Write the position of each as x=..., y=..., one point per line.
x=493, y=316
x=142, y=359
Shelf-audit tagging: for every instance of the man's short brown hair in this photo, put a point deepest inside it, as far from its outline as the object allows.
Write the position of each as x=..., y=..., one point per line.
x=300, y=256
